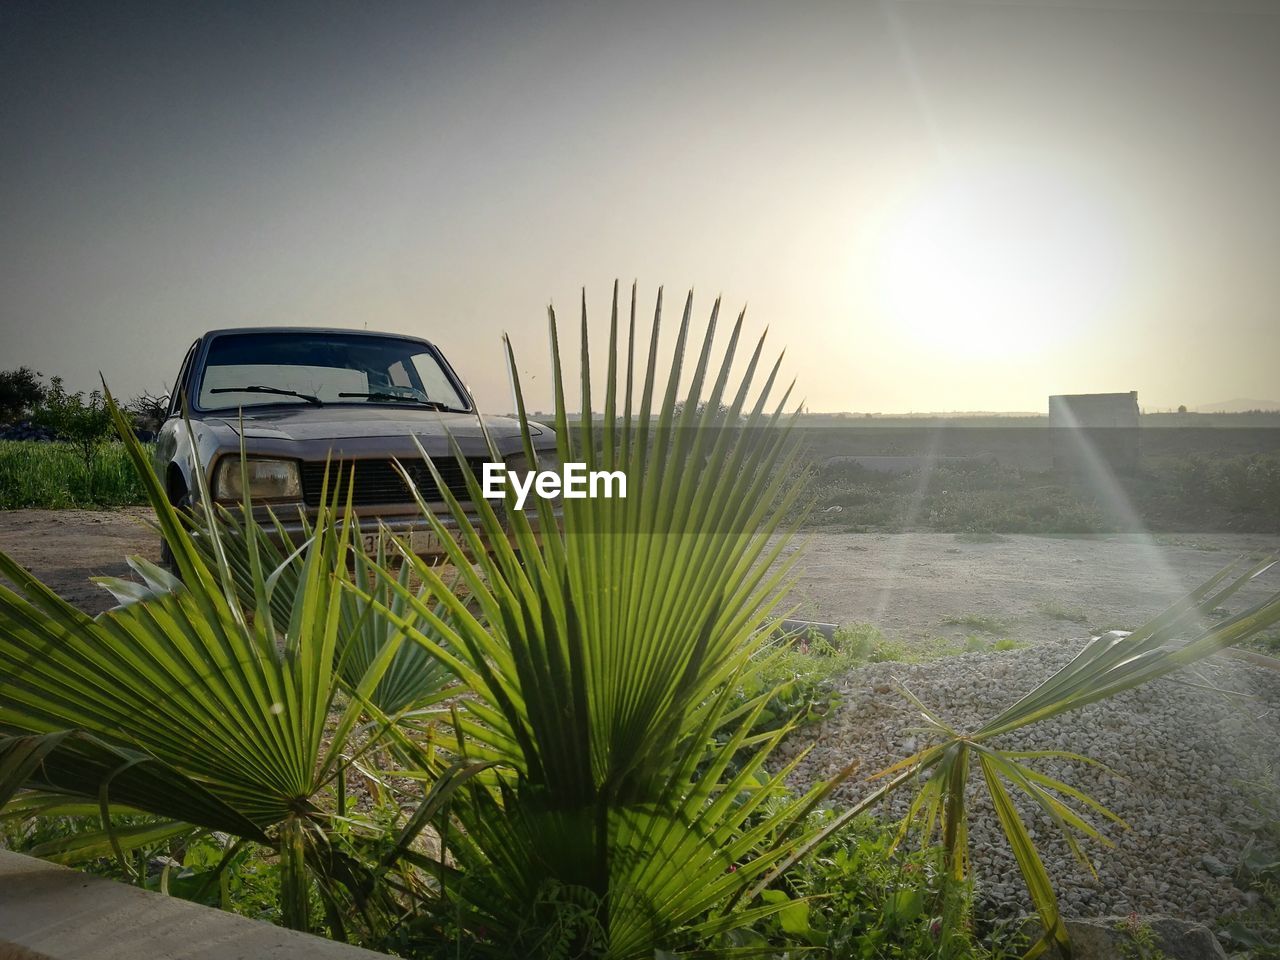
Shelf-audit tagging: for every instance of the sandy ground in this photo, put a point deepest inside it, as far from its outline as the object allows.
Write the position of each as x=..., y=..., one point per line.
x=64, y=548
x=907, y=584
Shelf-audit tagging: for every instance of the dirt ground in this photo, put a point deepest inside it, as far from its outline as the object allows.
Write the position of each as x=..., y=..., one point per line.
x=1039, y=587
x=906, y=584
x=64, y=548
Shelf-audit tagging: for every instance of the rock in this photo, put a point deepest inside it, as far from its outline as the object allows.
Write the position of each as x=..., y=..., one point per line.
x=1215, y=866
x=1106, y=938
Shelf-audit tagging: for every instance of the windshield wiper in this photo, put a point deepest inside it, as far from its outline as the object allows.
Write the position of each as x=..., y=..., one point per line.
x=258, y=388
x=401, y=398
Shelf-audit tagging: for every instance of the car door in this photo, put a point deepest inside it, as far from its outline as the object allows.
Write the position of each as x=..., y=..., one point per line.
x=172, y=432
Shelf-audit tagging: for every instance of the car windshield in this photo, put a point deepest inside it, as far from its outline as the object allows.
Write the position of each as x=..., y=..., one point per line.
x=308, y=368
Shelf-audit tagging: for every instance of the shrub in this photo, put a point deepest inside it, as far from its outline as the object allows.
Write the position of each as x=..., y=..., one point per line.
x=206, y=713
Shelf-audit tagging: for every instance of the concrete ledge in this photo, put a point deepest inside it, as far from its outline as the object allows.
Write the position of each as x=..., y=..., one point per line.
x=48, y=912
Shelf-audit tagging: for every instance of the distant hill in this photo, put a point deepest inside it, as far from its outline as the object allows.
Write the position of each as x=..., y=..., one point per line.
x=1239, y=405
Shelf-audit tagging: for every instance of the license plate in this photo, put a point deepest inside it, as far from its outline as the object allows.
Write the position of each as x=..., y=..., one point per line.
x=420, y=541
x=424, y=541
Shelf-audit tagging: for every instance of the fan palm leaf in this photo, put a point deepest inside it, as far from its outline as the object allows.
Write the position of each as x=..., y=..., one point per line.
x=193, y=701
x=605, y=641
x=412, y=680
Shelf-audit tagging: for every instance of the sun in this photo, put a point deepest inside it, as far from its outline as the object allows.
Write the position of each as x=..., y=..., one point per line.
x=999, y=260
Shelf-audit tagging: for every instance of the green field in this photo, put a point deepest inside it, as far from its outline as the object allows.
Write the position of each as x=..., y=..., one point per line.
x=53, y=476
x=1239, y=494
x=1228, y=494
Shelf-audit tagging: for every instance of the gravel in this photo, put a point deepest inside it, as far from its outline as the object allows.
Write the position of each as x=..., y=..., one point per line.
x=1187, y=754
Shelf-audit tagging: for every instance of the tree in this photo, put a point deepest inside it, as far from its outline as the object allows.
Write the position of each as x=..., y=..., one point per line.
x=86, y=422
x=20, y=390
x=1182, y=408
x=149, y=410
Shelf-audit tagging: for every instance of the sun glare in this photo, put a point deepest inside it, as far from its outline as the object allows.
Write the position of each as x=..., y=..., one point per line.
x=999, y=262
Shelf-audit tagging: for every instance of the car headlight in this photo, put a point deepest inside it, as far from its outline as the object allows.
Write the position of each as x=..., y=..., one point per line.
x=268, y=479
x=547, y=462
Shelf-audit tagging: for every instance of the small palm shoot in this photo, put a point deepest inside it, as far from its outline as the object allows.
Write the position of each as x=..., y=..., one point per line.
x=1108, y=665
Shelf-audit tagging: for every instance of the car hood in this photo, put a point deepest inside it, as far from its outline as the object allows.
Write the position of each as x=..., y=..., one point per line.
x=303, y=424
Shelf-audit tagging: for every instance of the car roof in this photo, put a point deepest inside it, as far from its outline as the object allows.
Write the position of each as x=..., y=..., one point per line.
x=315, y=330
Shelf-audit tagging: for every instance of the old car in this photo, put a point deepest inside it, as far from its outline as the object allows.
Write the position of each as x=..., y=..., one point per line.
x=300, y=400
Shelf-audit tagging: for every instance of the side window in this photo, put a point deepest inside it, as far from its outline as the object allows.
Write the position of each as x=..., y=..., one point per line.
x=180, y=385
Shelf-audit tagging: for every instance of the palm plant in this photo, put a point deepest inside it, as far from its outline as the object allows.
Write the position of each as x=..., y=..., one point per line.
x=1108, y=665
x=204, y=707
x=603, y=656
x=412, y=680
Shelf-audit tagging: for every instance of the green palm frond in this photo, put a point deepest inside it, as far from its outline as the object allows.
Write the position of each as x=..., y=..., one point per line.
x=193, y=701
x=412, y=680
x=604, y=641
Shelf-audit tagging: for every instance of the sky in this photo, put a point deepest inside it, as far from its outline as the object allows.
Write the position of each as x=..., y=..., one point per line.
x=941, y=206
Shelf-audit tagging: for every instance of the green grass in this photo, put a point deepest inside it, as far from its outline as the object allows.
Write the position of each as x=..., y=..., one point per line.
x=52, y=476
x=803, y=668
x=1057, y=610
x=977, y=621
x=1267, y=642
x=938, y=648
x=803, y=672
x=813, y=659
x=978, y=500
x=1007, y=643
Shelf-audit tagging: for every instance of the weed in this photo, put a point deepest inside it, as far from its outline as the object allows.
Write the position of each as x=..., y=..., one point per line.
x=1140, y=943
x=861, y=894
x=1057, y=610
x=976, y=621
x=1267, y=642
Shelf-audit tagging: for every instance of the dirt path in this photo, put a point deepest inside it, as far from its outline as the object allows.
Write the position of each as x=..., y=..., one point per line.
x=1027, y=587
x=1030, y=588
x=64, y=548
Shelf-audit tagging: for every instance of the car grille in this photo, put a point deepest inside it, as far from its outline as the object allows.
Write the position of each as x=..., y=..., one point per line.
x=378, y=482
